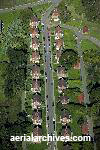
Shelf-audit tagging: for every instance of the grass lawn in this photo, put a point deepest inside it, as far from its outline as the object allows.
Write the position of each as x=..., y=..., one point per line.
x=74, y=83
x=60, y=145
x=78, y=18
x=69, y=39
x=41, y=146
x=75, y=115
x=12, y=3
x=73, y=73
x=8, y=18
x=88, y=45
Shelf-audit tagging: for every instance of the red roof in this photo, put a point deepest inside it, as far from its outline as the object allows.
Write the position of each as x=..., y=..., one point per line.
x=77, y=65
x=85, y=29
x=85, y=128
x=81, y=98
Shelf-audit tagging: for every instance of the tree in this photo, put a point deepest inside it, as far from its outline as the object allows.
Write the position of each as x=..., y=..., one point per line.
x=92, y=9
x=64, y=12
x=68, y=58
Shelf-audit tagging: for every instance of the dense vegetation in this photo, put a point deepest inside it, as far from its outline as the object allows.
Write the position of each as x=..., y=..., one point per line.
x=13, y=120
x=64, y=12
x=68, y=58
x=92, y=9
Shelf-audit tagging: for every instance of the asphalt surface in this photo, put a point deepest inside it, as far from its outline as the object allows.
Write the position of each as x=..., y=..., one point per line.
x=49, y=87
x=49, y=83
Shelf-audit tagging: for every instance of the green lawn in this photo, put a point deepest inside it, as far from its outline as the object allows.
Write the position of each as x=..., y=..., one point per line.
x=8, y=18
x=69, y=39
x=78, y=18
x=74, y=83
x=88, y=45
x=41, y=146
x=12, y=3
x=73, y=73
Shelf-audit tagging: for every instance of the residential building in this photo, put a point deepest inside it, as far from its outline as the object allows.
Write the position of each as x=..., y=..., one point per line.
x=35, y=57
x=35, y=71
x=85, y=128
x=61, y=72
x=64, y=99
x=37, y=117
x=81, y=98
x=34, y=32
x=55, y=15
x=58, y=33
x=59, y=44
x=36, y=101
x=66, y=131
x=34, y=44
x=65, y=117
x=85, y=30
x=36, y=86
x=77, y=65
x=37, y=131
x=61, y=85
x=58, y=55
x=34, y=22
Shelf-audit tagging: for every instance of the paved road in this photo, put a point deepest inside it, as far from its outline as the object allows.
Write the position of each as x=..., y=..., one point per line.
x=40, y=2
x=80, y=36
x=83, y=73
x=48, y=86
x=49, y=83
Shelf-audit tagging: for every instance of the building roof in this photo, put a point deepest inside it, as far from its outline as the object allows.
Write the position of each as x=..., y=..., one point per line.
x=65, y=114
x=55, y=13
x=59, y=43
x=37, y=131
x=85, y=128
x=36, y=83
x=62, y=82
x=66, y=131
x=85, y=29
x=35, y=55
x=67, y=147
x=37, y=115
x=58, y=29
x=34, y=30
x=34, y=19
x=35, y=41
x=36, y=98
x=63, y=99
x=58, y=54
x=81, y=98
x=77, y=65
x=35, y=69
x=61, y=70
